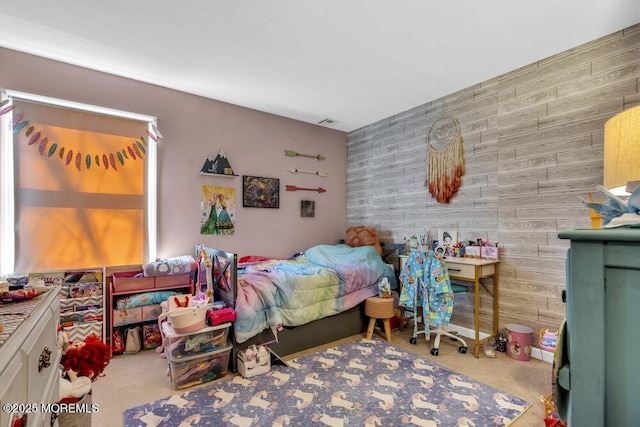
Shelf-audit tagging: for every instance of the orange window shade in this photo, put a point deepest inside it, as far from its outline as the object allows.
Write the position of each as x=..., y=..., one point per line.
x=80, y=215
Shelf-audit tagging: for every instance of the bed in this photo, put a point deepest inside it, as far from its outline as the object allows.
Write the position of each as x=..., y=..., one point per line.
x=295, y=304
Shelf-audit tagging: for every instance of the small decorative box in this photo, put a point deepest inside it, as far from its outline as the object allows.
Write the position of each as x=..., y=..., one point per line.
x=489, y=252
x=223, y=315
x=472, y=252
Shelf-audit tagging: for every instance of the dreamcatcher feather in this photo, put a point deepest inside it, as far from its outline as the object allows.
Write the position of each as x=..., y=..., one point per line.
x=445, y=161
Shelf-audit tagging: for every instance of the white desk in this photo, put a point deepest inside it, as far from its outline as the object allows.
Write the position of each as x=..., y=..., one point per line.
x=473, y=270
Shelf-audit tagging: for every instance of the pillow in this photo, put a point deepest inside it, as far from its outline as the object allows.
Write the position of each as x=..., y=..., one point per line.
x=169, y=266
x=145, y=298
x=253, y=258
x=363, y=236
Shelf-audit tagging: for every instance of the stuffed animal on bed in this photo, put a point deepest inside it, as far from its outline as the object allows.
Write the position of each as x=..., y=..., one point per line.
x=363, y=236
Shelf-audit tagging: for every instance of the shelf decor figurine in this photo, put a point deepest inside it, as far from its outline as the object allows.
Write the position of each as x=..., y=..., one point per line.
x=218, y=166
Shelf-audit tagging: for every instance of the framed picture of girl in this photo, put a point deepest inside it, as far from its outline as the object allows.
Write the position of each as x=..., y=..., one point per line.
x=447, y=240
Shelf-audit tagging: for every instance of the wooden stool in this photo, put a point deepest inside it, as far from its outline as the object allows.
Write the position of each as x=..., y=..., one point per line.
x=379, y=308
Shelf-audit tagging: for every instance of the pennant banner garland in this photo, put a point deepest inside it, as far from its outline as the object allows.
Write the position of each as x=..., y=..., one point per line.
x=82, y=161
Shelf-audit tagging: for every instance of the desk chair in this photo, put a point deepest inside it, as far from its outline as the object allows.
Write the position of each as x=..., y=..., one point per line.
x=439, y=331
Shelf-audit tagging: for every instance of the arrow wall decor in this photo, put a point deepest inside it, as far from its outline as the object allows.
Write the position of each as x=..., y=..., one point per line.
x=294, y=188
x=296, y=170
x=292, y=153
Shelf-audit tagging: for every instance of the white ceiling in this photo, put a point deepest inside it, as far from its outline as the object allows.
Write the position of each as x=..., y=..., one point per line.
x=354, y=61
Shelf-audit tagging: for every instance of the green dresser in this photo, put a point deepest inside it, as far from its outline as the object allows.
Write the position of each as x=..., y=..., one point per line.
x=603, y=328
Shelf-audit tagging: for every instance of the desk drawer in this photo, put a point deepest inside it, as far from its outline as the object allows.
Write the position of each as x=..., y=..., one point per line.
x=468, y=271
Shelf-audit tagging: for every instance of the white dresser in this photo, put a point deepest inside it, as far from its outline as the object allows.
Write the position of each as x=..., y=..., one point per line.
x=29, y=359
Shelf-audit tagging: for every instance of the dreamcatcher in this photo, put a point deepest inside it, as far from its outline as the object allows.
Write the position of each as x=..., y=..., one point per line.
x=445, y=162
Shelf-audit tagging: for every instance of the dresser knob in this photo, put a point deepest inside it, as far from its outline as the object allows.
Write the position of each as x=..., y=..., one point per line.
x=45, y=359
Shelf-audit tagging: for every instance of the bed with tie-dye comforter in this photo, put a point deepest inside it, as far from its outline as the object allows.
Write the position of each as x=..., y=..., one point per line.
x=325, y=280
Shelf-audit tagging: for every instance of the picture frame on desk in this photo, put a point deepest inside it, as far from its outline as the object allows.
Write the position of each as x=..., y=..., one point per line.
x=472, y=252
x=490, y=252
x=446, y=240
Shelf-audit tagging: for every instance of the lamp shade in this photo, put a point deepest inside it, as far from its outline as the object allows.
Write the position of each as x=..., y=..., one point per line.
x=622, y=149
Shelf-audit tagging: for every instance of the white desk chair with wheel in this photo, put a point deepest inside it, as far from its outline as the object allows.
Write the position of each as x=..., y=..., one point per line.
x=413, y=294
x=440, y=330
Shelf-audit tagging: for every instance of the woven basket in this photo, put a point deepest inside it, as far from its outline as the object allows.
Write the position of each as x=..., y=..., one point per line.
x=379, y=308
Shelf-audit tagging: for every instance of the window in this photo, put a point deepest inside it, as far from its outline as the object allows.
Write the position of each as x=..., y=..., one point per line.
x=78, y=186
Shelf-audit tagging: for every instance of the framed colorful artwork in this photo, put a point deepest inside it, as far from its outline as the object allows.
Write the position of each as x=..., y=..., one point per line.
x=260, y=192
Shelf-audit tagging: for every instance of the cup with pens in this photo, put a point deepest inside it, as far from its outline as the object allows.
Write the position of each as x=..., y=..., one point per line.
x=422, y=241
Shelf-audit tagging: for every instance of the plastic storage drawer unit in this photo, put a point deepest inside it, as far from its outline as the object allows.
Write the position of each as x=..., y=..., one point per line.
x=206, y=340
x=194, y=370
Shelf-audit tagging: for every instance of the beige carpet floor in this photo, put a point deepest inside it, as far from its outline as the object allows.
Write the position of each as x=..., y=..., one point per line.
x=133, y=380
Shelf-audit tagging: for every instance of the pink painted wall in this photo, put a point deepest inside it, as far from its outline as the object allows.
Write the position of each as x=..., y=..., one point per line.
x=194, y=127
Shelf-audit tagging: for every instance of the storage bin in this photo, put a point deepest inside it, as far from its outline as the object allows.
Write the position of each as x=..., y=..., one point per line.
x=191, y=371
x=172, y=280
x=151, y=312
x=185, y=320
x=126, y=282
x=77, y=418
x=209, y=339
x=128, y=316
x=151, y=337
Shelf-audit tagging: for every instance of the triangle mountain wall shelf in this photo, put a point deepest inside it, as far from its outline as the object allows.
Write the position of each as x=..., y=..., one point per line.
x=219, y=166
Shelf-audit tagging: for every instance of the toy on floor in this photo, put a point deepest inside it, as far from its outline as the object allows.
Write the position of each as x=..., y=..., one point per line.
x=548, y=340
x=384, y=288
x=88, y=358
x=501, y=341
x=551, y=418
x=488, y=349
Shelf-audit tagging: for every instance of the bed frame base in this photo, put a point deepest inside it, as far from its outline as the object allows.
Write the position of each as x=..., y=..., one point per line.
x=318, y=332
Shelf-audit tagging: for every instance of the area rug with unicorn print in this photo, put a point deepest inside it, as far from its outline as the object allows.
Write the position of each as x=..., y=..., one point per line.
x=364, y=383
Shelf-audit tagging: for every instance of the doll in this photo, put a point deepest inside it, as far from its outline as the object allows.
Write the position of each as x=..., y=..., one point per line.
x=88, y=358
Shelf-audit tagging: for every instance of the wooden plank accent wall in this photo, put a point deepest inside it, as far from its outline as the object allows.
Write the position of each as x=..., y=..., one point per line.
x=533, y=145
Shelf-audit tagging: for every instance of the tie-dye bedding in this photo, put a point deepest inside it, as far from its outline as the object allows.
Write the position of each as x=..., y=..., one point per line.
x=325, y=280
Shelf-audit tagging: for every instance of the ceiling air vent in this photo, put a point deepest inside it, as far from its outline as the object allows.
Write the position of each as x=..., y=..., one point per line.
x=327, y=122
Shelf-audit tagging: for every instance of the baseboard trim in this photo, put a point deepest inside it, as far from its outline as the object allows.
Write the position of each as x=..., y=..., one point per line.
x=536, y=353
